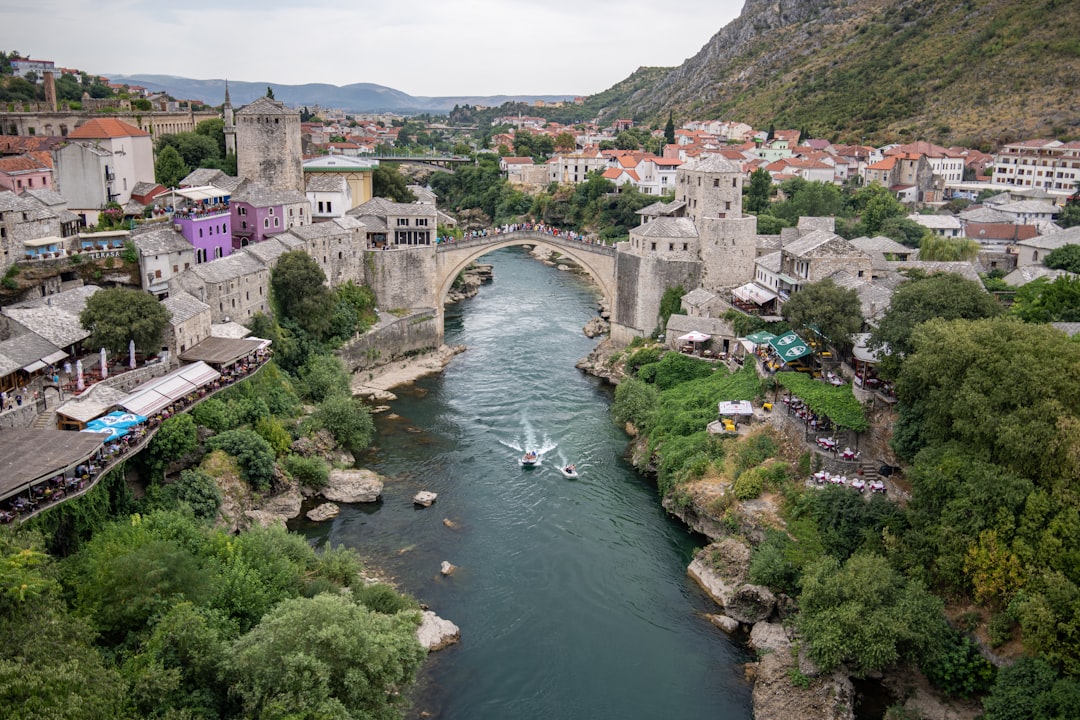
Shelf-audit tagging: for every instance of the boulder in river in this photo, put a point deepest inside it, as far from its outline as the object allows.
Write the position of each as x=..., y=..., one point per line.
x=424, y=498
x=435, y=633
x=447, y=568
x=323, y=512
x=353, y=486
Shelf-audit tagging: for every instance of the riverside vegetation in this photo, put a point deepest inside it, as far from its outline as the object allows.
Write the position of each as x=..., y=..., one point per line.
x=117, y=606
x=983, y=553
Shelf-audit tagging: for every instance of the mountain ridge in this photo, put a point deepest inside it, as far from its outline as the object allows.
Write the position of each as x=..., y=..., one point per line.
x=355, y=97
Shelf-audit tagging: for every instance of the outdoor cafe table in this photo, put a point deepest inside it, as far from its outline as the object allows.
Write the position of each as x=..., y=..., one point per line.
x=877, y=486
x=821, y=476
x=827, y=443
x=849, y=454
x=838, y=480
x=858, y=484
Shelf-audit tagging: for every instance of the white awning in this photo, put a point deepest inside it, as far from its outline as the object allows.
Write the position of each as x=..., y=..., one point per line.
x=43, y=242
x=36, y=365
x=55, y=357
x=735, y=407
x=752, y=292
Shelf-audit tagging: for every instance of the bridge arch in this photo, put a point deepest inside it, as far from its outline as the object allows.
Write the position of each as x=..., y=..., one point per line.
x=597, y=260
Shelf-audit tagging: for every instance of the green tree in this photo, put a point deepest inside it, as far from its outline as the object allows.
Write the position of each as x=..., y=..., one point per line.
x=326, y=657
x=758, y=192
x=1070, y=215
x=865, y=614
x=215, y=130
x=1040, y=301
x=170, y=169
x=300, y=293
x=252, y=453
x=116, y=316
x=176, y=437
x=826, y=309
x=323, y=376
x=388, y=182
x=196, y=149
x=565, y=142
x=348, y=420
x=1066, y=257
x=942, y=295
x=934, y=247
x=269, y=92
x=1001, y=387
x=669, y=130
x=878, y=205
x=1032, y=689
x=903, y=230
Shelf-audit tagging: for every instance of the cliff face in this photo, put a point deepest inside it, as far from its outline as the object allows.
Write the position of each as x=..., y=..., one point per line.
x=975, y=71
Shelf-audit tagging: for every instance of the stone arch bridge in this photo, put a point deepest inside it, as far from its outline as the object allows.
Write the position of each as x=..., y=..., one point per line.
x=451, y=258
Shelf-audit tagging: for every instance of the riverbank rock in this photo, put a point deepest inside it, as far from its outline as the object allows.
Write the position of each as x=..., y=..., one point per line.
x=435, y=633
x=725, y=623
x=424, y=498
x=323, y=512
x=769, y=637
x=596, y=326
x=751, y=604
x=447, y=568
x=353, y=486
x=721, y=570
x=601, y=362
x=275, y=510
x=776, y=697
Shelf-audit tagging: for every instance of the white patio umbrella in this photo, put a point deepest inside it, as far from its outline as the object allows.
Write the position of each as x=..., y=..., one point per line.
x=131, y=354
x=695, y=337
x=104, y=366
x=80, y=385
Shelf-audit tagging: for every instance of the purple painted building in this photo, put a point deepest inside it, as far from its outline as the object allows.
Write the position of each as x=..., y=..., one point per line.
x=259, y=212
x=204, y=218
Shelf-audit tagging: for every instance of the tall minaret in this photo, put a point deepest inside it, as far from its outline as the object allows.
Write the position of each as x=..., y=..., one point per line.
x=230, y=125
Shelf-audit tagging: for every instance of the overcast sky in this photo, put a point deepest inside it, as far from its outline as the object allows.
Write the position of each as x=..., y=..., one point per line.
x=422, y=47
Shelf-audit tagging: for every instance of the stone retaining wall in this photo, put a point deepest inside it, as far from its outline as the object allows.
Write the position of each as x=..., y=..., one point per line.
x=393, y=338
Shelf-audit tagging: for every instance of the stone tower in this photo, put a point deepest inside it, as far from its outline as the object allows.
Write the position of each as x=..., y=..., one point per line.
x=268, y=145
x=712, y=191
x=230, y=123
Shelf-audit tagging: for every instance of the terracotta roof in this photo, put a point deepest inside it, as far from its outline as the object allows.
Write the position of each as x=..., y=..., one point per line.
x=20, y=163
x=101, y=128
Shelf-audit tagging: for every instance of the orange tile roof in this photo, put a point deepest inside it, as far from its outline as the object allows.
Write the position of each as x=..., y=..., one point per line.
x=20, y=163
x=102, y=128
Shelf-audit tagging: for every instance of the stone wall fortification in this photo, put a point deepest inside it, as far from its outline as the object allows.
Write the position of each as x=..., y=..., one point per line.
x=402, y=278
x=393, y=338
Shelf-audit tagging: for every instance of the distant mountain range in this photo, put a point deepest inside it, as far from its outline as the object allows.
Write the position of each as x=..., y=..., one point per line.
x=357, y=98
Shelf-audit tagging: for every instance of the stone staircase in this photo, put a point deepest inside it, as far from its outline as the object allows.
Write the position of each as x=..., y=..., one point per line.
x=45, y=421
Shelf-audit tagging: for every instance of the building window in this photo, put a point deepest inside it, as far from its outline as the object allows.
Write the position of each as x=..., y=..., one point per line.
x=271, y=211
x=266, y=222
x=329, y=206
x=277, y=222
x=652, y=246
x=176, y=268
x=716, y=182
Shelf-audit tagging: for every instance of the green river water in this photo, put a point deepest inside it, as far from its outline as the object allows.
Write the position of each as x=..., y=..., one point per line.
x=571, y=595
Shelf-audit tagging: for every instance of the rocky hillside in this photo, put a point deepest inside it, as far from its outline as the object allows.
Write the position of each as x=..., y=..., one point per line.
x=971, y=71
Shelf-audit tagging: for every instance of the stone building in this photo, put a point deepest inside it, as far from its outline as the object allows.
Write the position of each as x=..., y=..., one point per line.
x=390, y=224
x=268, y=149
x=163, y=253
x=337, y=247
x=711, y=189
x=23, y=220
x=189, y=323
x=235, y=287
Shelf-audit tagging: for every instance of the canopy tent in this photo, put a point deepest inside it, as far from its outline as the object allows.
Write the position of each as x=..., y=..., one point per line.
x=155, y=395
x=736, y=407
x=789, y=347
x=695, y=337
x=760, y=337
x=862, y=350
x=752, y=292
x=116, y=424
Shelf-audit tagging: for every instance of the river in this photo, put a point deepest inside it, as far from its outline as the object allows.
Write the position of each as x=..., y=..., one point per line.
x=571, y=595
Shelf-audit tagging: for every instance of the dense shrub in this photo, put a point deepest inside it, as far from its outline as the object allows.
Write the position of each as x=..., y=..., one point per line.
x=312, y=472
x=253, y=454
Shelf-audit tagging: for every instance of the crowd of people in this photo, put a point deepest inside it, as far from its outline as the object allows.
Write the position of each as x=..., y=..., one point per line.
x=85, y=474
x=522, y=227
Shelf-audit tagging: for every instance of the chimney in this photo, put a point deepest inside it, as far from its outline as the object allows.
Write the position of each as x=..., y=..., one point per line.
x=50, y=89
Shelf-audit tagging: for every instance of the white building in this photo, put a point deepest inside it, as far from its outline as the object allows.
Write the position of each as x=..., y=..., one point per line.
x=1048, y=164
x=163, y=254
x=101, y=163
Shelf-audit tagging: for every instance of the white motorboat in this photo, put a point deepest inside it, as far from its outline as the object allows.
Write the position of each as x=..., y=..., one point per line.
x=530, y=458
x=569, y=471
